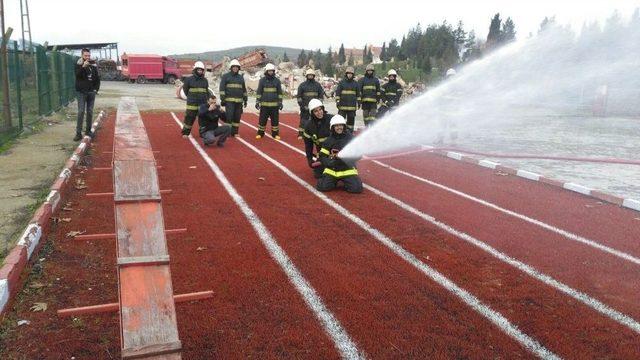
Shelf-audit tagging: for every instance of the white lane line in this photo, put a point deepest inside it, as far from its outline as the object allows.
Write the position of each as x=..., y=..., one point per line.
x=493, y=316
x=347, y=347
x=591, y=302
x=569, y=235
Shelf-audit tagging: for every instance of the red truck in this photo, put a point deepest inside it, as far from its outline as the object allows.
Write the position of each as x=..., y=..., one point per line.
x=141, y=68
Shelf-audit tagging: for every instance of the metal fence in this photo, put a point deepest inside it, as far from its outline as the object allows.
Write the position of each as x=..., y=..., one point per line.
x=40, y=83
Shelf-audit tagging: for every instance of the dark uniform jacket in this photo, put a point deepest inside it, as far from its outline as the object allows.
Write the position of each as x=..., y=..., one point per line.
x=196, y=88
x=208, y=120
x=269, y=93
x=348, y=95
x=232, y=88
x=309, y=89
x=87, y=78
x=335, y=166
x=369, y=89
x=315, y=133
x=391, y=93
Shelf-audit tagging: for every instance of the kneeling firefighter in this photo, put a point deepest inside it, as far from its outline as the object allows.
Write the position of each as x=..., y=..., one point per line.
x=316, y=131
x=335, y=168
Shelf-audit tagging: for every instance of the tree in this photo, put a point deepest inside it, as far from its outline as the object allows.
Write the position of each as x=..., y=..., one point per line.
x=472, y=48
x=392, y=52
x=383, y=52
x=342, y=58
x=327, y=64
x=508, y=33
x=318, y=59
x=285, y=58
x=350, y=62
x=302, y=59
x=547, y=23
x=494, y=36
x=364, y=54
x=369, y=57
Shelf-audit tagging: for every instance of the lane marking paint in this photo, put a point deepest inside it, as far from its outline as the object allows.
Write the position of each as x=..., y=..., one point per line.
x=347, y=348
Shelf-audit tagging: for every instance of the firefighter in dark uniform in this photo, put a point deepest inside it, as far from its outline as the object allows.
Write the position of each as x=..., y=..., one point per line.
x=196, y=88
x=370, y=92
x=348, y=97
x=335, y=168
x=269, y=102
x=391, y=93
x=310, y=89
x=233, y=94
x=315, y=133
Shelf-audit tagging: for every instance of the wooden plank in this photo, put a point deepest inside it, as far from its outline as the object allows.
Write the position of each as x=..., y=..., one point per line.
x=143, y=260
x=135, y=180
x=147, y=308
x=152, y=350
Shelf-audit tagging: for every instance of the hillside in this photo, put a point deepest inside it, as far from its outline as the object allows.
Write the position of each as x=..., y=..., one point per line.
x=274, y=52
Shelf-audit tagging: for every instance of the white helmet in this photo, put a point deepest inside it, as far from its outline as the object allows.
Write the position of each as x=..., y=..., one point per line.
x=392, y=72
x=451, y=72
x=337, y=120
x=233, y=63
x=198, y=65
x=310, y=72
x=314, y=104
x=269, y=67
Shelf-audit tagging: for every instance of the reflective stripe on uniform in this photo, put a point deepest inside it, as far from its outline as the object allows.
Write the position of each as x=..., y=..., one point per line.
x=193, y=107
x=269, y=103
x=390, y=94
x=325, y=151
x=368, y=99
x=270, y=89
x=234, y=86
x=369, y=87
x=186, y=126
x=310, y=94
x=368, y=118
x=348, y=92
x=235, y=124
x=198, y=90
x=232, y=99
x=340, y=174
x=221, y=92
x=347, y=108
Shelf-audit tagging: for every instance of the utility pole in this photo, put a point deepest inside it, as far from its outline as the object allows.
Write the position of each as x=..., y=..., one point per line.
x=4, y=73
x=24, y=13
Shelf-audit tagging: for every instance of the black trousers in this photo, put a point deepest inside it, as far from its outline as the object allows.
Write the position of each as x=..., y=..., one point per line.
x=350, y=116
x=267, y=113
x=85, y=106
x=352, y=184
x=234, y=112
x=304, y=118
x=189, y=119
x=369, y=111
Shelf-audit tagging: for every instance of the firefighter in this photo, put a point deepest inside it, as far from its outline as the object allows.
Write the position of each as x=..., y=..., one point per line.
x=208, y=116
x=315, y=133
x=269, y=101
x=196, y=88
x=370, y=91
x=233, y=94
x=309, y=89
x=335, y=168
x=391, y=93
x=348, y=97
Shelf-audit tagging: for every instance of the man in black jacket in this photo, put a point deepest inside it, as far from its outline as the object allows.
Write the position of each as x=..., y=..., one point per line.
x=335, y=168
x=348, y=98
x=269, y=102
x=196, y=88
x=210, y=131
x=87, y=87
x=233, y=94
x=309, y=89
x=315, y=132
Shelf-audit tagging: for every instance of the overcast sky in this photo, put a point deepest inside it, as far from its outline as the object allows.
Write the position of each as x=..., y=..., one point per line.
x=168, y=27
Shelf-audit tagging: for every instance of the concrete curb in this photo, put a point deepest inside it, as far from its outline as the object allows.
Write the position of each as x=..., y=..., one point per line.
x=613, y=199
x=38, y=227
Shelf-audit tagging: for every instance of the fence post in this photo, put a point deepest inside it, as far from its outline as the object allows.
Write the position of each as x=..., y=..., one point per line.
x=4, y=74
x=18, y=79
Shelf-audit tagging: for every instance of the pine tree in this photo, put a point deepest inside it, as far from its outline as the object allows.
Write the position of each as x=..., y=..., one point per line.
x=285, y=58
x=495, y=34
x=350, y=62
x=302, y=59
x=364, y=54
x=341, y=55
x=383, y=52
x=508, y=33
x=327, y=64
x=392, y=52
